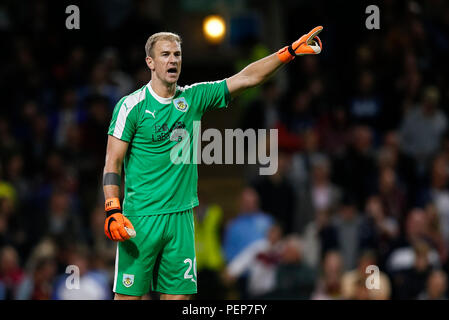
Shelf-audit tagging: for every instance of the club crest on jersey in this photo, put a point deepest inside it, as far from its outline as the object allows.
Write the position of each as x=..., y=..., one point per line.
x=128, y=280
x=181, y=104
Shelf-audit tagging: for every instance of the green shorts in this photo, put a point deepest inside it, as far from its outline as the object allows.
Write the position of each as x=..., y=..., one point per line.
x=162, y=255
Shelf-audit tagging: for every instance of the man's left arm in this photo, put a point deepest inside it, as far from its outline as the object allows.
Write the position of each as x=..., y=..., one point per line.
x=260, y=70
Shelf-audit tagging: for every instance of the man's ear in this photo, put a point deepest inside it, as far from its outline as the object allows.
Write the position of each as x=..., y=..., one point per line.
x=150, y=62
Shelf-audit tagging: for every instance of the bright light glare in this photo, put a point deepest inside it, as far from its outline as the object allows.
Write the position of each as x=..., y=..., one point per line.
x=214, y=28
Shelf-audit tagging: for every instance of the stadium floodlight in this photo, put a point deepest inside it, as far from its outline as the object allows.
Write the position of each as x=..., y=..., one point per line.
x=214, y=28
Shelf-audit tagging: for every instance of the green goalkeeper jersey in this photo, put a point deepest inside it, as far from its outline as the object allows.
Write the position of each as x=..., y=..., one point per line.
x=154, y=183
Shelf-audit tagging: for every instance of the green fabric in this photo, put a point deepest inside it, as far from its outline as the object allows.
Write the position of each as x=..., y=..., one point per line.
x=162, y=255
x=153, y=183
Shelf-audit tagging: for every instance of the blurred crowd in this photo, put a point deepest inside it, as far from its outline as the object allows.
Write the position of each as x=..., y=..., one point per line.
x=362, y=178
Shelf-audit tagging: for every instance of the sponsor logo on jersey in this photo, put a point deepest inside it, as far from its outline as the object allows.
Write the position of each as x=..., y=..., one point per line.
x=164, y=132
x=181, y=104
x=128, y=280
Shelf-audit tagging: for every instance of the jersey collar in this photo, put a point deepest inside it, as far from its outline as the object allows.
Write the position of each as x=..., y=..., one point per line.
x=160, y=99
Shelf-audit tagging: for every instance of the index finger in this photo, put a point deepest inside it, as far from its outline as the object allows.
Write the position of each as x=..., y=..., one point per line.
x=313, y=33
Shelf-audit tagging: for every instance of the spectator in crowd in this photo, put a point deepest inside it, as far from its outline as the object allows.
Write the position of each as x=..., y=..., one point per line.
x=295, y=122
x=422, y=129
x=391, y=156
x=435, y=234
x=302, y=161
x=388, y=152
x=76, y=66
x=97, y=122
x=4, y=234
x=23, y=120
x=8, y=142
x=378, y=231
x=251, y=224
x=14, y=174
x=409, y=83
x=329, y=286
x=67, y=115
x=40, y=272
x=361, y=292
x=294, y=278
x=276, y=193
x=46, y=249
x=319, y=195
x=316, y=86
x=416, y=231
x=436, y=286
x=352, y=280
x=356, y=170
x=91, y=284
x=410, y=282
x=118, y=76
x=320, y=237
x=11, y=273
x=263, y=113
x=334, y=131
x=301, y=115
x=38, y=284
x=393, y=198
x=347, y=223
x=366, y=107
x=61, y=222
x=100, y=84
x=6, y=215
x=437, y=193
x=311, y=68
x=259, y=260
x=42, y=143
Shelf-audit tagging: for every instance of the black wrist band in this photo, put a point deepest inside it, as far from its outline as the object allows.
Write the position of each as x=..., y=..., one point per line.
x=291, y=51
x=112, y=211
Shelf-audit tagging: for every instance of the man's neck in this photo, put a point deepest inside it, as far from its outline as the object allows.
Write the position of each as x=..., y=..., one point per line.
x=162, y=89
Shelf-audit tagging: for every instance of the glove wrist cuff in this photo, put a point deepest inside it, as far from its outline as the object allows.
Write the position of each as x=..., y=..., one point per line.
x=111, y=206
x=112, y=203
x=285, y=55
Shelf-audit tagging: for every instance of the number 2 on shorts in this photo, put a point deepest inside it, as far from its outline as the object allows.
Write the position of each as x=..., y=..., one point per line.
x=186, y=274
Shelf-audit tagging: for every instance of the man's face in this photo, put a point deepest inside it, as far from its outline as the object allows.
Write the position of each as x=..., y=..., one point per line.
x=165, y=63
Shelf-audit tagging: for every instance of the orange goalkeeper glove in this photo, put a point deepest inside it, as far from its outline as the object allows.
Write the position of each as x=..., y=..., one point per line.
x=117, y=227
x=307, y=44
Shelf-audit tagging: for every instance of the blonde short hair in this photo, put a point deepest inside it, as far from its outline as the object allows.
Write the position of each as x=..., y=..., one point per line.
x=169, y=36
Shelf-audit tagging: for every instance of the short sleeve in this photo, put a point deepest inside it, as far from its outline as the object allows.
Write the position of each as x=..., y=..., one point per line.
x=124, y=120
x=215, y=95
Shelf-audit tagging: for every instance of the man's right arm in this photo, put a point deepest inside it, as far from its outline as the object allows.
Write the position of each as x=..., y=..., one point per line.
x=115, y=223
x=115, y=153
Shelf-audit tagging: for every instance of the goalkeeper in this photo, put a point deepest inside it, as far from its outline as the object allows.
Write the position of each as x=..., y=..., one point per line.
x=154, y=224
